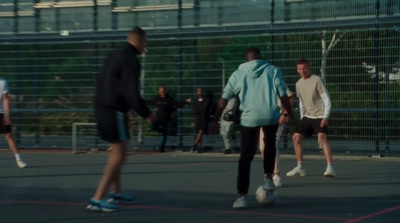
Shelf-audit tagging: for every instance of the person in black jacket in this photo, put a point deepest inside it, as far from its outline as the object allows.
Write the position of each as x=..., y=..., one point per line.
x=165, y=105
x=202, y=110
x=117, y=92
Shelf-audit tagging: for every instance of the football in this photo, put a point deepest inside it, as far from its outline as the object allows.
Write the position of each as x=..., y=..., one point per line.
x=265, y=197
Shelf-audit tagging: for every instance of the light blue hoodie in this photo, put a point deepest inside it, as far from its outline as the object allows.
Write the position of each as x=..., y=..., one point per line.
x=257, y=84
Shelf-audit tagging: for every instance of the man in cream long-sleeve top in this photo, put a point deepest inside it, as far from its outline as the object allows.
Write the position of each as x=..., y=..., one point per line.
x=315, y=107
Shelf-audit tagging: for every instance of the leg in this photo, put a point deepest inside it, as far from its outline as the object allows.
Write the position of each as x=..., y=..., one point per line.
x=14, y=149
x=278, y=137
x=112, y=170
x=164, y=136
x=298, y=146
x=199, y=137
x=163, y=142
x=270, y=150
x=261, y=142
x=11, y=143
x=329, y=172
x=226, y=132
x=249, y=142
x=325, y=146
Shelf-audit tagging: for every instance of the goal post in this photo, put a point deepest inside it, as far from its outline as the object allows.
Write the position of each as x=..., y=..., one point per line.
x=84, y=134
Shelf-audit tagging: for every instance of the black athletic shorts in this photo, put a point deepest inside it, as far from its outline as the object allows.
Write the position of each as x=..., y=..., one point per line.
x=4, y=128
x=112, y=125
x=308, y=126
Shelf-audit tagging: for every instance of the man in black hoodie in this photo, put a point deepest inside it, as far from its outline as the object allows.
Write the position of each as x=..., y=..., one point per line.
x=165, y=105
x=117, y=92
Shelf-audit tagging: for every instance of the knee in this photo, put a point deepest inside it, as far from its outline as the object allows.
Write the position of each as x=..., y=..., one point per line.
x=8, y=136
x=224, y=134
x=296, y=138
x=322, y=138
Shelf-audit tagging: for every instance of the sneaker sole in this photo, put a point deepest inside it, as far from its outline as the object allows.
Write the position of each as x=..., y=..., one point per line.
x=93, y=208
x=292, y=175
x=111, y=200
x=329, y=175
x=109, y=210
x=241, y=207
x=100, y=209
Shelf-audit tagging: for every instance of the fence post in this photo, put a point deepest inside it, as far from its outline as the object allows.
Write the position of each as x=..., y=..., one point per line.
x=376, y=85
x=179, y=90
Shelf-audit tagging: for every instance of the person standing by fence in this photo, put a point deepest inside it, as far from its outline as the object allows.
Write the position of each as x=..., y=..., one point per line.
x=165, y=105
x=202, y=108
x=227, y=123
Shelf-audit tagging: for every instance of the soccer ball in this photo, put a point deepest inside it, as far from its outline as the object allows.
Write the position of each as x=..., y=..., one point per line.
x=265, y=197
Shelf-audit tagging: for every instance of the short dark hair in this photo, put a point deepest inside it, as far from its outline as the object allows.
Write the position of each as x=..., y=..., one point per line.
x=302, y=61
x=254, y=51
x=137, y=31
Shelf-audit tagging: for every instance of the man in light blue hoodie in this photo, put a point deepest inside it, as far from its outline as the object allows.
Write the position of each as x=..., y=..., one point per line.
x=257, y=85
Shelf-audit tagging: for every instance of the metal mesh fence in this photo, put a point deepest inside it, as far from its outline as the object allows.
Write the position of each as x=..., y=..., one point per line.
x=52, y=77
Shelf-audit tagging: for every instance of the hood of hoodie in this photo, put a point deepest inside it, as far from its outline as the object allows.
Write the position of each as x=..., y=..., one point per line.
x=254, y=68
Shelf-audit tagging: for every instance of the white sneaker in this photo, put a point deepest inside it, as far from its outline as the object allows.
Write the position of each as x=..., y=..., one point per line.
x=296, y=171
x=330, y=172
x=240, y=203
x=21, y=164
x=277, y=180
x=269, y=185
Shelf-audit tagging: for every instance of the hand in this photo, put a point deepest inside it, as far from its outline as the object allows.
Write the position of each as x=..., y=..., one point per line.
x=282, y=120
x=151, y=118
x=188, y=100
x=324, y=123
x=213, y=130
x=6, y=120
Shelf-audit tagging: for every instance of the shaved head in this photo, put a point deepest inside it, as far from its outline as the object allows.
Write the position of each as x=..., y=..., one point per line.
x=138, y=38
x=253, y=53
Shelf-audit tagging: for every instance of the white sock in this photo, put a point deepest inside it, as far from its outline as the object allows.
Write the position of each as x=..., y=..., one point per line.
x=17, y=156
x=330, y=166
x=300, y=165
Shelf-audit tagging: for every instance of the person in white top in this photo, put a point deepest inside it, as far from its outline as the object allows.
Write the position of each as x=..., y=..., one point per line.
x=282, y=123
x=315, y=107
x=226, y=124
x=5, y=122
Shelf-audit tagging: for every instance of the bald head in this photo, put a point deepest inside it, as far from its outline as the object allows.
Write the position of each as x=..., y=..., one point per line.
x=253, y=53
x=138, y=38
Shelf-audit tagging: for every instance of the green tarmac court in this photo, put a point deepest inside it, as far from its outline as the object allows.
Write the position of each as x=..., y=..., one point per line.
x=182, y=187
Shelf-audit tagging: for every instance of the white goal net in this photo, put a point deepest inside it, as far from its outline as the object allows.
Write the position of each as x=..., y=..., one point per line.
x=85, y=138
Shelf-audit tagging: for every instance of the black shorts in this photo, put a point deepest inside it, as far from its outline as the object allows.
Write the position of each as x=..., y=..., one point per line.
x=308, y=126
x=4, y=128
x=112, y=125
x=201, y=126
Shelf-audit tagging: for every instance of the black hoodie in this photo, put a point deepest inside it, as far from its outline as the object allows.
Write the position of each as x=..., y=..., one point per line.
x=165, y=106
x=117, y=84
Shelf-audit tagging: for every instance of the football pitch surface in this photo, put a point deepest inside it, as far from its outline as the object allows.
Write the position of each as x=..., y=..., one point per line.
x=181, y=187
